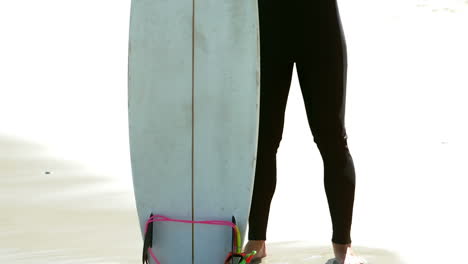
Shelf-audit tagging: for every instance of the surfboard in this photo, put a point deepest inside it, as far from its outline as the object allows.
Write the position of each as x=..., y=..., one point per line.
x=193, y=108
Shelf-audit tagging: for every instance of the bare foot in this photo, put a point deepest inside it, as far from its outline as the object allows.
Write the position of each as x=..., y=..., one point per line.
x=344, y=254
x=257, y=245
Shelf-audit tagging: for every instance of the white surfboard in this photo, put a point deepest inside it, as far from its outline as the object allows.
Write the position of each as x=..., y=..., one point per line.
x=193, y=102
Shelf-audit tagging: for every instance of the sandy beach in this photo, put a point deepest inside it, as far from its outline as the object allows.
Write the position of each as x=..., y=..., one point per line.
x=66, y=192
x=58, y=211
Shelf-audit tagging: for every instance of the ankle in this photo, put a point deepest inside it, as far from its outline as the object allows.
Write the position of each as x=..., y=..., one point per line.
x=256, y=241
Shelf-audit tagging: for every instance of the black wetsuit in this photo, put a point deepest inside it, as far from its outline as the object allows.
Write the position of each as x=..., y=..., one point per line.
x=308, y=33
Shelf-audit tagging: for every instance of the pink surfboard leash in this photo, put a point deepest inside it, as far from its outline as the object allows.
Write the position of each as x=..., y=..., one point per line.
x=161, y=218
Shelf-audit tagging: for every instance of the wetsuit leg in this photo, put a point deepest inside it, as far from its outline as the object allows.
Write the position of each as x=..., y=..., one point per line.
x=310, y=33
x=321, y=64
x=276, y=67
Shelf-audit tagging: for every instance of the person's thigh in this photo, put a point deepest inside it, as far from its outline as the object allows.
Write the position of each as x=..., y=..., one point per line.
x=321, y=64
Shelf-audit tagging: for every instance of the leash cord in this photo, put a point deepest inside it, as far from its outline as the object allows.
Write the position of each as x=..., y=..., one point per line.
x=161, y=218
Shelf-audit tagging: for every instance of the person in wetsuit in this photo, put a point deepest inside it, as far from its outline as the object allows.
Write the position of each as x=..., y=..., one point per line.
x=308, y=33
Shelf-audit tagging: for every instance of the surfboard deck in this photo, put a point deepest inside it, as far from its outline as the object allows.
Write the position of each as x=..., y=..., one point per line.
x=193, y=106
